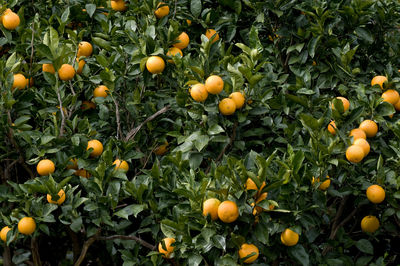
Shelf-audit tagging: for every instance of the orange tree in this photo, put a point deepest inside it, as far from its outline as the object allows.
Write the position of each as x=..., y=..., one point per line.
x=111, y=141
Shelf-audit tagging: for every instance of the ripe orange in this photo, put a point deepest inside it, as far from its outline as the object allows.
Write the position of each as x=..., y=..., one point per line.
x=162, y=149
x=250, y=185
x=10, y=20
x=355, y=153
x=72, y=164
x=189, y=22
x=3, y=233
x=26, y=225
x=214, y=84
x=45, y=167
x=173, y=51
x=397, y=105
x=375, y=194
x=118, y=5
x=101, y=91
x=379, y=80
x=261, y=197
x=324, y=185
x=210, y=33
x=20, y=82
x=363, y=144
x=161, y=11
x=60, y=200
x=210, y=207
x=332, y=127
x=391, y=96
x=247, y=249
x=289, y=238
x=121, y=165
x=369, y=127
x=85, y=49
x=82, y=173
x=369, y=224
x=168, y=245
x=155, y=64
x=346, y=103
x=357, y=133
x=199, y=92
x=81, y=65
x=96, y=146
x=183, y=41
x=238, y=98
x=66, y=72
x=228, y=211
x=48, y=68
x=88, y=105
x=227, y=106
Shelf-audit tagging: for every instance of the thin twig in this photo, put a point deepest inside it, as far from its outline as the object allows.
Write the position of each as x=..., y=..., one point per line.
x=72, y=87
x=32, y=51
x=119, y=133
x=62, y=112
x=85, y=248
x=137, y=239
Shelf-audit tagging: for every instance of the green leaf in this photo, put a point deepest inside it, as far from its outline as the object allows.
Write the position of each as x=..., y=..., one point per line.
x=215, y=129
x=133, y=209
x=385, y=109
x=195, y=260
x=195, y=7
x=201, y=142
x=65, y=15
x=90, y=9
x=365, y=246
x=298, y=252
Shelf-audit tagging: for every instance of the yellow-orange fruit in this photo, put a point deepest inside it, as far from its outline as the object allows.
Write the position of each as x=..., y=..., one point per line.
x=199, y=92
x=66, y=72
x=210, y=207
x=354, y=153
x=363, y=144
x=210, y=33
x=155, y=64
x=332, y=127
x=376, y=194
x=369, y=127
x=97, y=147
x=227, y=106
x=357, y=133
x=168, y=245
x=228, y=211
x=101, y=91
x=346, y=103
x=60, y=200
x=45, y=167
x=161, y=11
x=48, y=68
x=183, y=41
x=238, y=98
x=379, y=80
x=390, y=96
x=214, y=84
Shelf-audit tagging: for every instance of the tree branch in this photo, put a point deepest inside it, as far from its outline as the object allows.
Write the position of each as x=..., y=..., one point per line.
x=35, y=252
x=75, y=243
x=7, y=256
x=85, y=248
x=117, y=116
x=62, y=112
x=137, y=239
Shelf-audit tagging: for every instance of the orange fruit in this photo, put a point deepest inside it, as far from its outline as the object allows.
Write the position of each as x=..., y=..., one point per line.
x=82, y=173
x=379, y=80
x=199, y=92
x=189, y=22
x=101, y=91
x=3, y=233
x=96, y=146
x=60, y=200
x=162, y=149
x=369, y=127
x=289, y=238
x=81, y=64
x=228, y=211
x=375, y=194
x=210, y=33
x=66, y=72
x=369, y=224
x=227, y=106
x=238, y=98
x=26, y=225
x=397, y=105
x=346, y=103
x=161, y=11
x=247, y=249
x=210, y=207
x=357, y=133
x=183, y=41
x=10, y=20
x=214, y=84
x=250, y=185
x=155, y=64
x=88, y=105
x=45, y=167
x=363, y=144
x=20, y=82
x=262, y=197
x=173, y=51
x=355, y=153
x=121, y=165
x=118, y=5
x=391, y=96
x=48, y=68
x=332, y=127
x=72, y=164
x=85, y=49
x=168, y=245
x=324, y=185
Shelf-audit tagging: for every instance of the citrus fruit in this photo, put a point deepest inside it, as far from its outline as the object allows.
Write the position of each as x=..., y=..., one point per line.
x=210, y=207
x=168, y=245
x=121, y=165
x=72, y=164
x=189, y=22
x=20, y=81
x=346, y=103
x=88, y=105
x=66, y=72
x=289, y=238
x=357, y=133
x=375, y=194
x=324, y=185
x=199, y=92
x=85, y=49
x=161, y=11
x=82, y=173
x=397, y=105
x=48, y=68
x=26, y=225
x=228, y=211
x=182, y=41
x=60, y=200
x=118, y=5
x=369, y=127
x=390, y=96
x=10, y=20
x=96, y=146
x=369, y=224
x=332, y=127
x=214, y=84
x=101, y=91
x=363, y=144
x=3, y=233
x=155, y=64
x=379, y=80
x=173, y=51
x=227, y=106
x=247, y=249
x=210, y=33
x=162, y=149
x=45, y=167
x=261, y=197
x=355, y=153
x=238, y=98
x=81, y=65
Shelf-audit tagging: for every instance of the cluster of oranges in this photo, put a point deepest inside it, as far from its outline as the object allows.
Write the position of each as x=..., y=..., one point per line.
x=375, y=194
x=26, y=226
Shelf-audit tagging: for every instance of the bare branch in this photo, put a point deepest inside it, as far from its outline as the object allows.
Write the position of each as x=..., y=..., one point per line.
x=85, y=248
x=62, y=112
x=117, y=116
